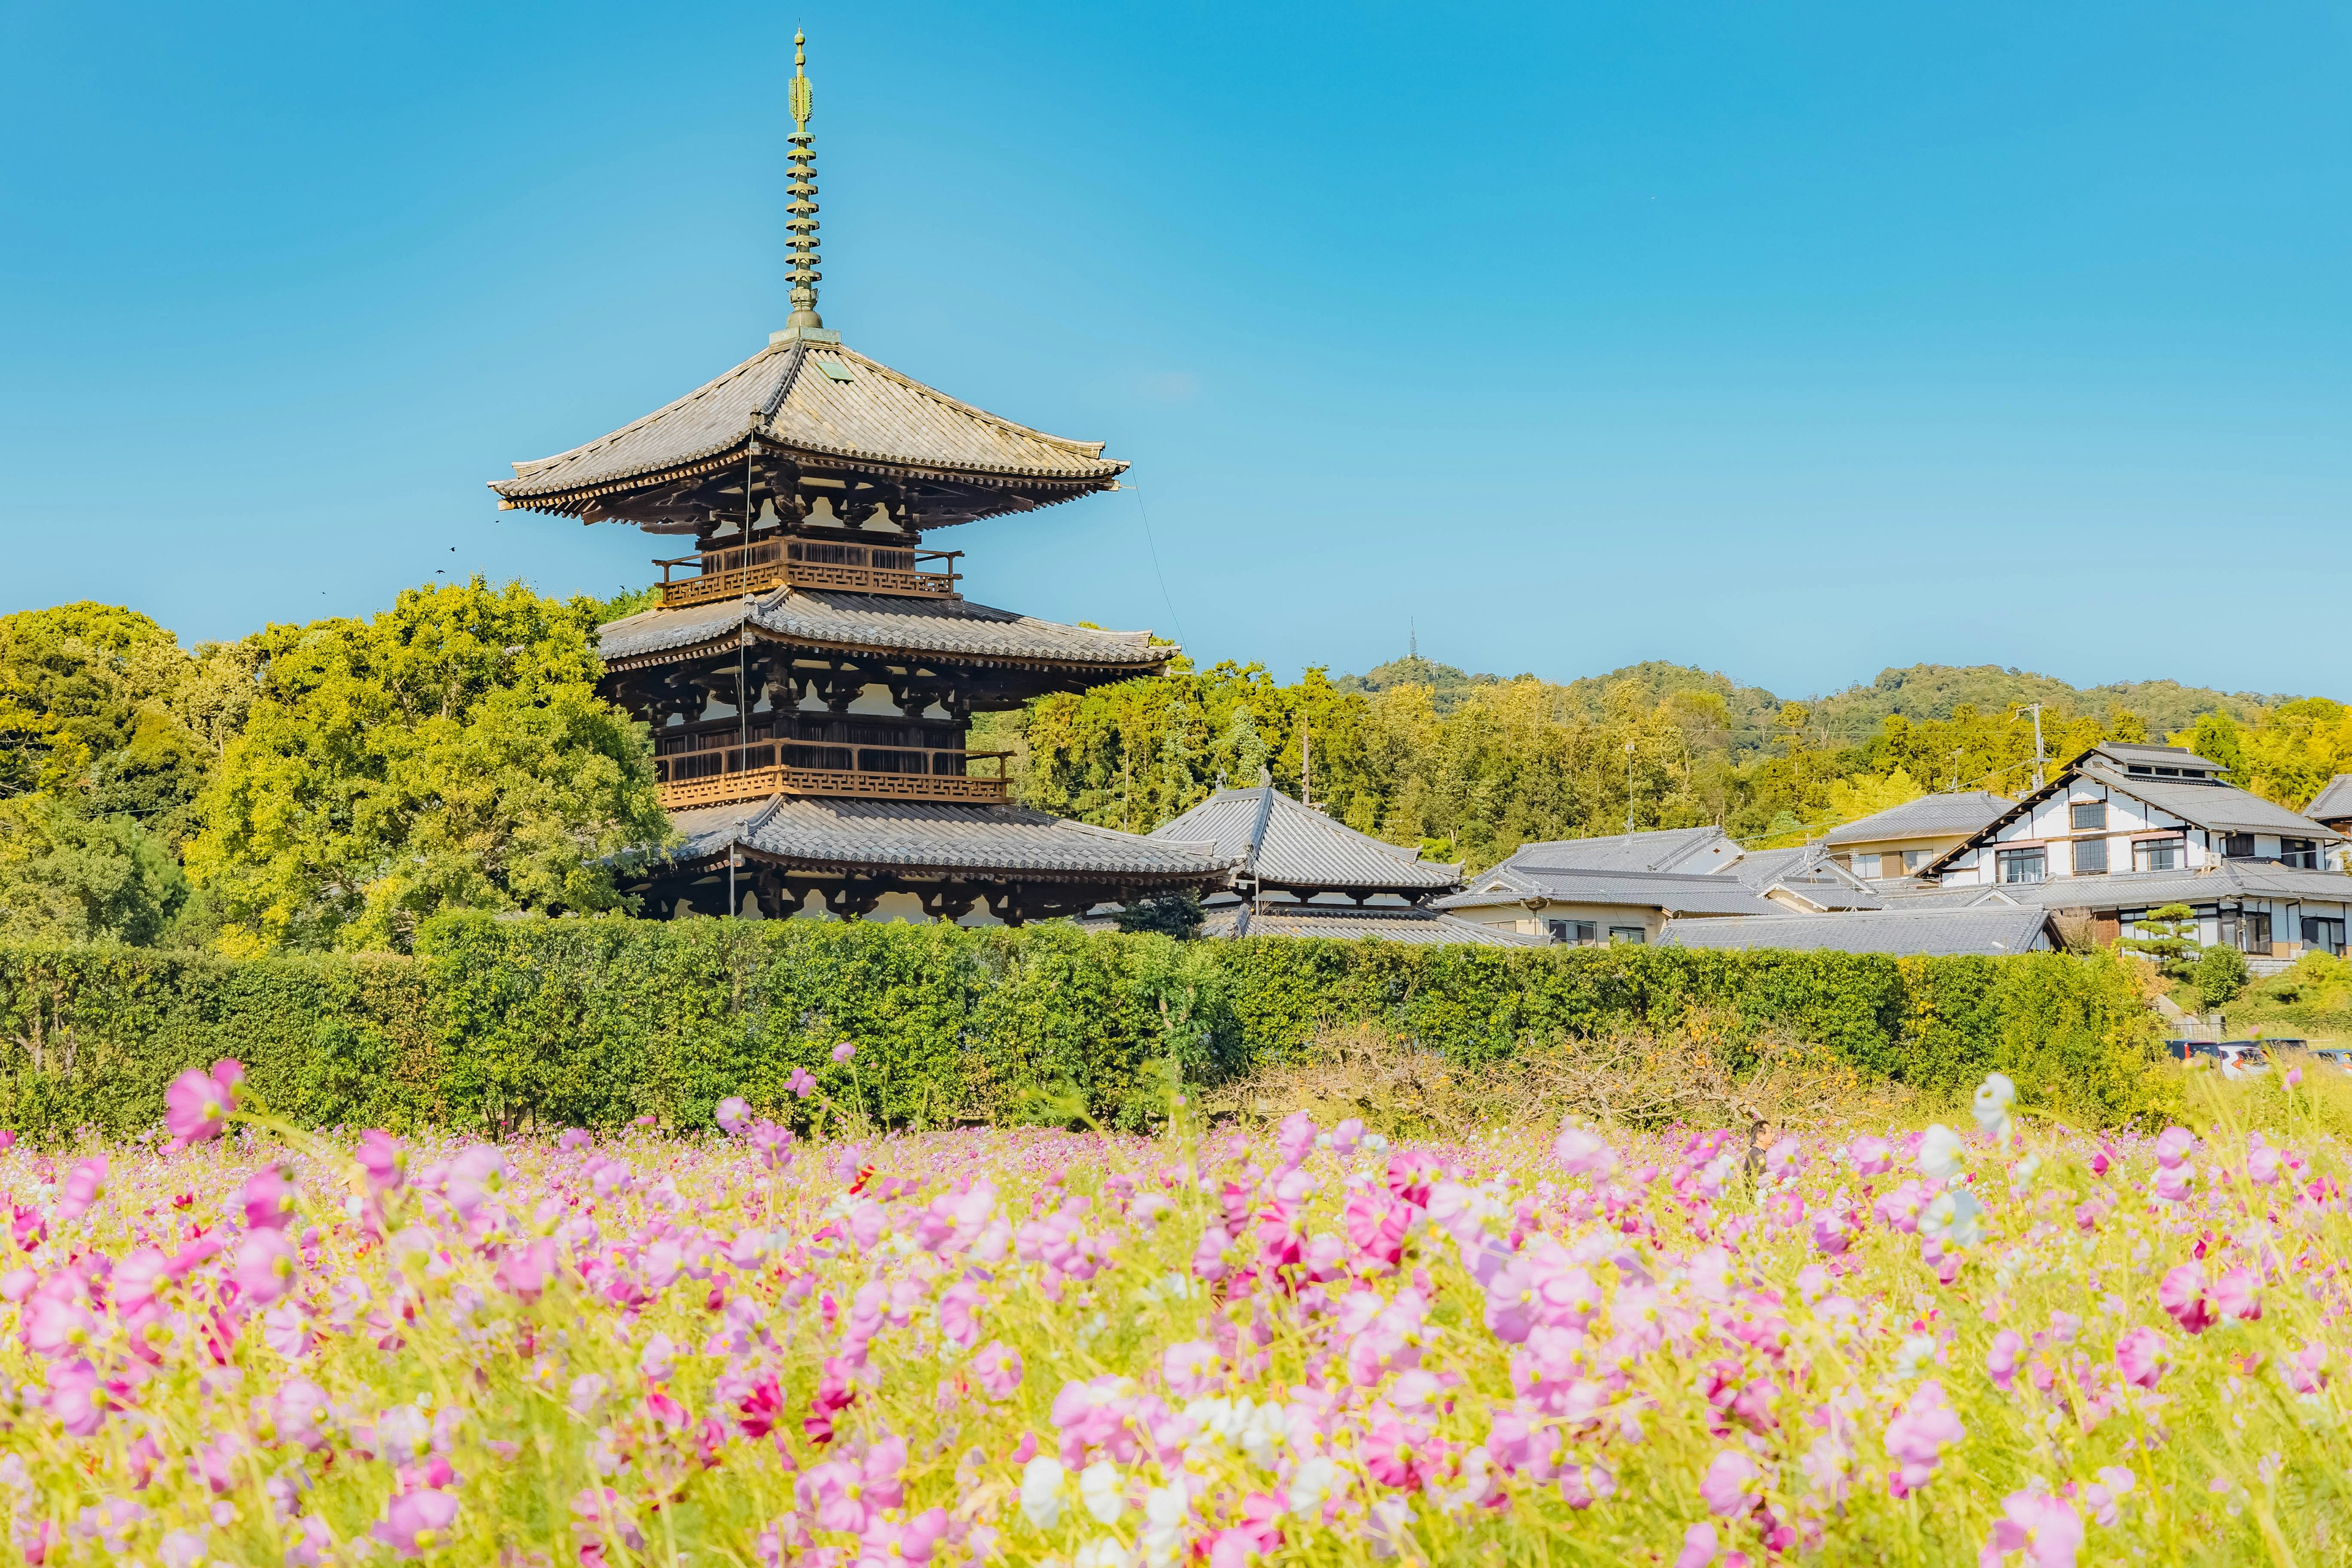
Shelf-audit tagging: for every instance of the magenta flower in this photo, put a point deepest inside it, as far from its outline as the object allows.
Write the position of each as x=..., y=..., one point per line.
x=383, y=1159
x=198, y=1105
x=268, y=1199
x=2141, y=1356
x=2001, y=1360
x=843, y=1051
x=84, y=1185
x=415, y=1522
x=1870, y=1157
x=2173, y=1146
x=772, y=1143
x=56, y=1325
x=2182, y=1294
x=2045, y=1528
x=1917, y=1437
x=734, y=1113
x=2262, y=1160
x=1729, y=1480
x=2237, y=1294
x=78, y=1399
x=997, y=1369
x=1698, y=1547
x=265, y=1267
x=803, y=1083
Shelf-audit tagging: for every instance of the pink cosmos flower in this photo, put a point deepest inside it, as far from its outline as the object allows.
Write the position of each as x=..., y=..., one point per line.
x=415, y=1522
x=286, y=1330
x=1871, y=1157
x=2001, y=1360
x=265, y=1267
x=960, y=1308
x=997, y=1369
x=733, y=1113
x=1583, y=1153
x=1917, y=1436
x=57, y=1326
x=1729, y=1482
x=2182, y=1294
x=843, y=1051
x=1295, y=1139
x=2237, y=1294
x=84, y=1185
x=2173, y=1146
x=1191, y=1368
x=803, y=1083
x=2045, y=1528
x=198, y=1105
x=268, y=1199
x=772, y=1143
x=2305, y=1372
x=2175, y=1183
x=2105, y=1495
x=1344, y=1137
x=2141, y=1356
x=78, y=1399
x=384, y=1159
x=137, y=1277
x=1698, y=1547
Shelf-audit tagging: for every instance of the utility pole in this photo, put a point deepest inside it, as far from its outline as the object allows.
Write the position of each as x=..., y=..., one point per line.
x=1305, y=767
x=1957, y=752
x=2039, y=760
x=1629, y=786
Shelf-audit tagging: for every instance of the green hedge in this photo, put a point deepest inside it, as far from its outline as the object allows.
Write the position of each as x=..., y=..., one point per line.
x=594, y=1021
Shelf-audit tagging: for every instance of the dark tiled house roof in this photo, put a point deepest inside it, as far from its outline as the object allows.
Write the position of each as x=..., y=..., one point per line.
x=1303, y=848
x=1991, y=930
x=934, y=837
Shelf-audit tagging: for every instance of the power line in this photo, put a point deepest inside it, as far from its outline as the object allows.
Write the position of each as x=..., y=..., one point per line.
x=1167, y=598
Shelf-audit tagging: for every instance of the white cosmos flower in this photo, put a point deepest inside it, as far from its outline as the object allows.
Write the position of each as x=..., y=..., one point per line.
x=1042, y=1482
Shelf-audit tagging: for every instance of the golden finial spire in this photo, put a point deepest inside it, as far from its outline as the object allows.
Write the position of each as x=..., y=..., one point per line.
x=802, y=224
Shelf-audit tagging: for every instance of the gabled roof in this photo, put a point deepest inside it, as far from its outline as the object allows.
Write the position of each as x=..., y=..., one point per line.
x=2333, y=800
x=818, y=401
x=1663, y=850
x=1305, y=850
x=1673, y=892
x=955, y=628
x=935, y=836
x=2228, y=882
x=1805, y=871
x=1991, y=930
x=1929, y=817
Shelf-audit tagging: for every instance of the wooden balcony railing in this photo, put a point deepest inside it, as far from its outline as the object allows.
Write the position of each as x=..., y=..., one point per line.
x=763, y=768
x=806, y=564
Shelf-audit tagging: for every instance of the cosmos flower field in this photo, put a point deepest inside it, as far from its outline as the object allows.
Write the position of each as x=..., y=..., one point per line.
x=234, y=1343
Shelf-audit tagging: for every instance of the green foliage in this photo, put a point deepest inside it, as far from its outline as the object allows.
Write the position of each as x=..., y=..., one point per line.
x=1165, y=914
x=506, y=1024
x=2170, y=940
x=2221, y=976
x=68, y=877
x=450, y=753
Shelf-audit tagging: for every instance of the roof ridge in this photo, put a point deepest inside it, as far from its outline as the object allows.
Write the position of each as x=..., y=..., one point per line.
x=1083, y=448
x=537, y=465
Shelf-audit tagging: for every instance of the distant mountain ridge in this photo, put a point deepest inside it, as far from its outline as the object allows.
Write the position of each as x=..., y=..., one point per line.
x=1854, y=713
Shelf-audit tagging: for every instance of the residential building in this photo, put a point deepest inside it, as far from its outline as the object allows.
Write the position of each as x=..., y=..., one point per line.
x=2332, y=806
x=1993, y=930
x=1805, y=879
x=1901, y=840
x=810, y=670
x=2123, y=829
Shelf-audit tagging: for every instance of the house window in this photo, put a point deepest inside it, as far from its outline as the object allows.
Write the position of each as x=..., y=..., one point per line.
x=2302, y=852
x=2159, y=854
x=2326, y=934
x=2090, y=816
x=2248, y=931
x=1914, y=858
x=2237, y=845
x=2090, y=856
x=1628, y=934
x=2023, y=864
x=1866, y=865
x=1574, y=933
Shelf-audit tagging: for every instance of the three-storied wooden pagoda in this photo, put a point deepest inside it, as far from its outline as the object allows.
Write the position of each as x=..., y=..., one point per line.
x=810, y=670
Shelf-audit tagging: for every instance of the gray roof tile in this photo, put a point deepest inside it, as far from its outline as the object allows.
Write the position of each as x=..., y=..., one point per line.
x=1659, y=850
x=2225, y=883
x=2333, y=800
x=1345, y=924
x=2220, y=807
x=939, y=837
x=951, y=628
x=1670, y=891
x=1991, y=930
x=1305, y=848
x=1929, y=817
x=870, y=415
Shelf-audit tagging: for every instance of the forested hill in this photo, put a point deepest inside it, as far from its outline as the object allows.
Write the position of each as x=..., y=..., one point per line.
x=1854, y=714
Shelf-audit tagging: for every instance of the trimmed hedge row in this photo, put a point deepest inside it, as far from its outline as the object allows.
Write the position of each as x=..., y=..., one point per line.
x=502, y=1024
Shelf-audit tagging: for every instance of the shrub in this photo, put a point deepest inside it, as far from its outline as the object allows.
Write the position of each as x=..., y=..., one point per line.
x=2221, y=975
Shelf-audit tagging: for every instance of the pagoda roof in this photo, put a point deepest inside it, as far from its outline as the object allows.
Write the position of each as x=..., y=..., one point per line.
x=828, y=407
x=938, y=839
x=950, y=629
x=1303, y=848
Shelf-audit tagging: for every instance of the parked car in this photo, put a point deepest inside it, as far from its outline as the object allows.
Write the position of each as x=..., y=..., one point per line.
x=2243, y=1056
x=2338, y=1057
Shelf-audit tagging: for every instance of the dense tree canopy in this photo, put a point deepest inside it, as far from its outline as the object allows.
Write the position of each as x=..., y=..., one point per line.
x=450, y=752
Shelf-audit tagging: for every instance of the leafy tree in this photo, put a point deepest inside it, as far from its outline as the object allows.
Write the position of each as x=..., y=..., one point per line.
x=2221, y=976
x=1167, y=914
x=2168, y=937
x=1866, y=794
x=67, y=877
x=449, y=754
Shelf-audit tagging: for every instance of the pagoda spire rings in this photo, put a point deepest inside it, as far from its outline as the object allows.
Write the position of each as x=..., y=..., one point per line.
x=801, y=225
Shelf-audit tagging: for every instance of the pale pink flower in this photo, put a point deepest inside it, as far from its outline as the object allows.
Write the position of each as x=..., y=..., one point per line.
x=1727, y=1484
x=286, y=1328
x=1917, y=1436
x=84, y=1185
x=2173, y=1146
x=2182, y=1294
x=1191, y=1368
x=2262, y=1160
x=2237, y=1294
x=803, y=1083
x=1698, y=1547
x=265, y=1267
x=2001, y=1360
x=56, y=1325
x=78, y=1399
x=843, y=1051
x=2045, y=1528
x=384, y=1159
x=198, y=1105
x=2105, y=1495
x=268, y=1199
x=2303, y=1369
x=415, y=1523
x=1583, y=1153
x=960, y=1308
x=734, y=1112
x=1870, y=1157
x=2141, y=1356
x=997, y=1369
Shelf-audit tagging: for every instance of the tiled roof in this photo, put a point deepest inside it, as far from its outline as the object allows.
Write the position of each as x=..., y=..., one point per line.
x=1660, y=850
x=1667, y=890
x=938, y=836
x=2333, y=800
x=1805, y=870
x=952, y=627
x=1993, y=930
x=826, y=400
x=1305, y=848
x=2225, y=883
x=2219, y=807
x=1348, y=925
x=1929, y=817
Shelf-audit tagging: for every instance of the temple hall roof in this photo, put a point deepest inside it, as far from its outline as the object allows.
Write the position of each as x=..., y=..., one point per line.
x=936, y=837
x=954, y=628
x=1303, y=848
x=822, y=402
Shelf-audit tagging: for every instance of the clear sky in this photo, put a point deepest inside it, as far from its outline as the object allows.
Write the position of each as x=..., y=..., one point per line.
x=1795, y=340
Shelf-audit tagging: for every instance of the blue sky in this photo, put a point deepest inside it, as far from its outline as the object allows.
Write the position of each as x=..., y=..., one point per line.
x=1795, y=340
